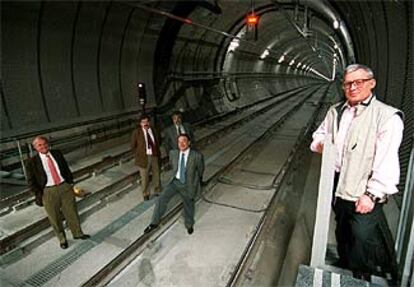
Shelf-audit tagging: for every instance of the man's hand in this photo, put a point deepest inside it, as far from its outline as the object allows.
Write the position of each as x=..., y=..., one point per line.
x=364, y=204
x=319, y=147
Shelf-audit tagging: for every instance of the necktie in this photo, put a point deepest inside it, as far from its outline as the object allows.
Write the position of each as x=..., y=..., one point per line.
x=182, y=168
x=151, y=144
x=53, y=170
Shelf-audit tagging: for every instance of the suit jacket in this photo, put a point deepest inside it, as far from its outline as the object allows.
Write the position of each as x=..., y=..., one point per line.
x=171, y=136
x=139, y=149
x=194, y=170
x=36, y=175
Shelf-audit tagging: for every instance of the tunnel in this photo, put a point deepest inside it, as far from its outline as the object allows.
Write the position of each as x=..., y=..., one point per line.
x=81, y=73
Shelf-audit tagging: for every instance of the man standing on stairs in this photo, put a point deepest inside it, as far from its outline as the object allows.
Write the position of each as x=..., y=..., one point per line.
x=145, y=147
x=188, y=167
x=51, y=180
x=367, y=135
x=178, y=127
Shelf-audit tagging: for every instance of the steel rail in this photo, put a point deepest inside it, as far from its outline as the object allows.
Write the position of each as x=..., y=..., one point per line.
x=106, y=274
x=9, y=243
x=26, y=196
x=277, y=183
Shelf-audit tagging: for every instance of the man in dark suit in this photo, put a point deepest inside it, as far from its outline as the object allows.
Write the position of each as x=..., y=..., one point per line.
x=177, y=128
x=188, y=167
x=51, y=180
x=145, y=146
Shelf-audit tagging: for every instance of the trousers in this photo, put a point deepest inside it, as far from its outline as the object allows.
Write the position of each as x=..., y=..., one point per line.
x=173, y=188
x=361, y=246
x=59, y=200
x=144, y=173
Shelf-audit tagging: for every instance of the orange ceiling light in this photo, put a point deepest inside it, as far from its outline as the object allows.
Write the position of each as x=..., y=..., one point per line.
x=252, y=19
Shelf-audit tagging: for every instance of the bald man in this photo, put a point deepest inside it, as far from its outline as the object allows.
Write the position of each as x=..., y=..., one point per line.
x=51, y=180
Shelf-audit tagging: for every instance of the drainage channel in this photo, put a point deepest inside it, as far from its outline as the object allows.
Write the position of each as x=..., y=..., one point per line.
x=245, y=268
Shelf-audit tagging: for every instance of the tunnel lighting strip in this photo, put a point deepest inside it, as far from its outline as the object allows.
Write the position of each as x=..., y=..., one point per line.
x=297, y=28
x=191, y=22
x=320, y=74
x=264, y=54
x=336, y=24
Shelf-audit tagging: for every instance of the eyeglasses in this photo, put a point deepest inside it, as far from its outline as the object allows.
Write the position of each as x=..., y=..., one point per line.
x=358, y=83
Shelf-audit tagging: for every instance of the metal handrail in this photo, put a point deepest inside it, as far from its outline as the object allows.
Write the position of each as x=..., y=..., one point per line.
x=405, y=235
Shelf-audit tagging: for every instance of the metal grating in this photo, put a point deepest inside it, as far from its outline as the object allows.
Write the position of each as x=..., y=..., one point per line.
x=317, y=277
x=60, y=264
x=56, y=267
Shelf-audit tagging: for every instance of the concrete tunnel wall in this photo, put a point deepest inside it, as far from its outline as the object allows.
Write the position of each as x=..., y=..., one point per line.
x=67, y=62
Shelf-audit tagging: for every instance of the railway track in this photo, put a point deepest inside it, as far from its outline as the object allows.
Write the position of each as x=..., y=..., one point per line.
x=207, y=135
x=206, y=131
x=119, y=263
x=222, y=153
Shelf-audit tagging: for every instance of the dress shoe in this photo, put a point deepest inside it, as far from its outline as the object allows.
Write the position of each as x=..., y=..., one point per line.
x=64, y=245
x=150, y=228
x=83, y=236
x=190, y=230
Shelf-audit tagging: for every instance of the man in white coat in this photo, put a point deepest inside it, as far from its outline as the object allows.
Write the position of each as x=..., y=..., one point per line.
x=367, y=134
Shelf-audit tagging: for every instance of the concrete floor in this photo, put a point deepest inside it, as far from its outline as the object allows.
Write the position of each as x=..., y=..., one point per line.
x=207, y=257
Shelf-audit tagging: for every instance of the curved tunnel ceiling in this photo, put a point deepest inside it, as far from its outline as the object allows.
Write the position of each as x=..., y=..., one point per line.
x=294, y=31
x=90, y=56
x=302, y=31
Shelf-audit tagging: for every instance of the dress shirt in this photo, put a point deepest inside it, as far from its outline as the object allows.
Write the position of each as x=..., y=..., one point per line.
x=342, y=135
x=180, y=129
x=386, y=168
x=386, y=165
x=149, y=151
x=46, y=168
x=186, y=153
